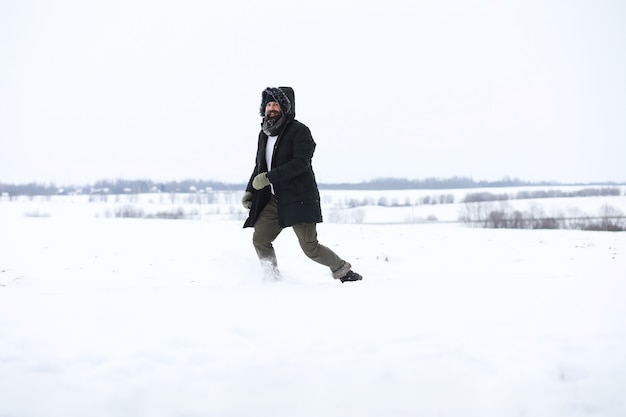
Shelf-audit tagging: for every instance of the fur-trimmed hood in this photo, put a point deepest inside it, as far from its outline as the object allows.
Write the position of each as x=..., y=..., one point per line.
x=284, y=96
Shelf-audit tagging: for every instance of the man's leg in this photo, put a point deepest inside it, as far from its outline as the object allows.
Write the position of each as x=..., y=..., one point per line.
x=266, y=229
x=307, y=236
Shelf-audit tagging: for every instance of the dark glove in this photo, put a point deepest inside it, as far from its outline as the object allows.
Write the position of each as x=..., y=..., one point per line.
x=246, y=200
x=260, y=181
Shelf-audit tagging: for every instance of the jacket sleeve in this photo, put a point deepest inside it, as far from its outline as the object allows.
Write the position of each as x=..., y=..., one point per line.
x=303, y=149
x=257, y=168
x=249, y=187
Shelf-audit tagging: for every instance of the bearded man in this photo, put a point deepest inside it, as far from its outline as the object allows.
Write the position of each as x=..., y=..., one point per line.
x=282, y=191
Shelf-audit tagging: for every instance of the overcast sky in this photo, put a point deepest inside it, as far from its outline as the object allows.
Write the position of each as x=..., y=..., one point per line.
x=170, y=90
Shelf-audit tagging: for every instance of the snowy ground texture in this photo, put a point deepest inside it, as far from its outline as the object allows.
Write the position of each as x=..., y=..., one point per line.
x=145, y=317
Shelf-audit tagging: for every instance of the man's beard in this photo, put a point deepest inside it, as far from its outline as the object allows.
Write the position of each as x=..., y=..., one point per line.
x=273, y=115
x=273, y=123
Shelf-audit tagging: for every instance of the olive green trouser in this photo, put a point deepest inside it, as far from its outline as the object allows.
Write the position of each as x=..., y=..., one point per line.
x=267, y=229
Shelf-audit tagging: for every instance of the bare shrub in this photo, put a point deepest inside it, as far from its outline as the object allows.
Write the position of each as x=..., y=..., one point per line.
x=517, y=221
x=447, y=199
x=546, y=223
x=610, y=220
x=128, y=211
x=131, y=212
x=346, y=216
x=484, y=196
x=496, y=219
x=176, y=214
x=475, y=214
x=36, y=213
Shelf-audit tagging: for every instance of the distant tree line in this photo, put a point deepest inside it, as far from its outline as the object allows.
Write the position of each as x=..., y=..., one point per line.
x=121, y=186
x=118, y=187
x=431, y=183
x=534, y=194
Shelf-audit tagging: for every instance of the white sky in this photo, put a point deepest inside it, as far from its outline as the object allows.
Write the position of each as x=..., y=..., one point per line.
x=169, y=90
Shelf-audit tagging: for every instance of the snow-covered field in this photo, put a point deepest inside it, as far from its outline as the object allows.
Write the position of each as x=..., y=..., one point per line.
x=106, y=316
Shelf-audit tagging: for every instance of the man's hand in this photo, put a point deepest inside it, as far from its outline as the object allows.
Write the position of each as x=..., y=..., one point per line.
x=260, y=181
x=246, y=200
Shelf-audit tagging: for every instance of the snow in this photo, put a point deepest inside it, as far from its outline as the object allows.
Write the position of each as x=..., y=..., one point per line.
x=101, y=316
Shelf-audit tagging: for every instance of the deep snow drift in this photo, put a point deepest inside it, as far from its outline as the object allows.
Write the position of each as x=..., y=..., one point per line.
x=138, y=317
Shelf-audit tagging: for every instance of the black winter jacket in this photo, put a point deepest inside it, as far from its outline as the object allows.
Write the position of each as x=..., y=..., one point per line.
x=291, y=175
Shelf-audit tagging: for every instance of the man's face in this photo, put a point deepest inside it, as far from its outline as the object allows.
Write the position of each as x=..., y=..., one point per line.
x=272, y=111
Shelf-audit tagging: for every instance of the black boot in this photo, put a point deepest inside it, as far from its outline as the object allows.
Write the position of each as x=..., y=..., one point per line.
x=350, y=276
